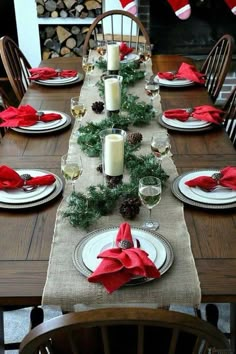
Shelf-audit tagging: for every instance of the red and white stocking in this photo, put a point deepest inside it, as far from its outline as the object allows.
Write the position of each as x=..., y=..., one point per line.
x=130, y=6
x=182, y=8
x=232, y=5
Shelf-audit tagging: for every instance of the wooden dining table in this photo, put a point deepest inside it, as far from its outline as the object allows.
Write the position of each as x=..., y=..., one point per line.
x=26, y=234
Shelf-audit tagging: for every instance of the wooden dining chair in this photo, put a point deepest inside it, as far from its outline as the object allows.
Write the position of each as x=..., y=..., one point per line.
x=16, y=66
x=116, y=25
x=217, y=65
x=4, y=103
x=229, y=122
x=126, y=331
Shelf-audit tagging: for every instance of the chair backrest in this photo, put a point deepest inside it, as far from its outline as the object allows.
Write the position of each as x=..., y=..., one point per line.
x=4, y=103
x=230, y=116
x=16, y=66
x=217, y=65
x=124, y=330
x=116, y=25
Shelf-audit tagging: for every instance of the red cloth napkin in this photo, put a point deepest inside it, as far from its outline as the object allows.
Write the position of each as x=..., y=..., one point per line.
x=49, y=73
x=226, y=178
x=24, y=116
x=10, y=179
x=185, y=71
x=119, y=265
x=124, y=50
x=205, y=112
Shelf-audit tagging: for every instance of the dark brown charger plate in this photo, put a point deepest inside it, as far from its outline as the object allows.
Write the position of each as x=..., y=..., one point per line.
x=81, y=267
x=177, y=193
x=195, y=130
x=45, y=131
x=56, y=191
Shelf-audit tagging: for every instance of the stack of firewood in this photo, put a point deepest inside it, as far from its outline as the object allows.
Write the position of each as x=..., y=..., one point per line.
x=62, y=40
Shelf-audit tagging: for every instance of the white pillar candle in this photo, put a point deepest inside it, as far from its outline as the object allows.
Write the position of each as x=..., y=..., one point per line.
x=113, y=57
x=114, y=155
x=112, y=94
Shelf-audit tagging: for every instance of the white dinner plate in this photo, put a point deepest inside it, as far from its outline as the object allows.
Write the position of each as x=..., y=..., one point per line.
x=159, y=248
x=105, y=239
x=220, y=195
x=130, y=58
x=175, y=83
x=18, y=196
x=48, y=125
x=191, y=123
x=62, y=81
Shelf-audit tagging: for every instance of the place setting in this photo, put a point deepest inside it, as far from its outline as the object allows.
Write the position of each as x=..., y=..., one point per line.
x=211, y=188
x=26, y=119
x=27, y=188
x=192, y=119
x=150, y=252
x=186, y=75
x=48, y=76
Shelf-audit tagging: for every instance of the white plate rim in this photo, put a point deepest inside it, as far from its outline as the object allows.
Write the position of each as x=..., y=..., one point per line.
x=49, y=130
x=178, y=83
x=130, y=58
x=188, y=124
x=48, y=125
x=188, y=191
x=40, y=192
x=158, y=256
x=76, y=79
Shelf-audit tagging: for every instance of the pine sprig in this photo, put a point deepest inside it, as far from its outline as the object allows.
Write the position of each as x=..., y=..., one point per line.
x=84, y=209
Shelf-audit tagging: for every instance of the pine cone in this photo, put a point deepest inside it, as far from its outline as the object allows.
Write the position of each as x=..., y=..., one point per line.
x=99, y=168
x=130, y=208
x=98, y=107
x=112, y=182
x=134, y=138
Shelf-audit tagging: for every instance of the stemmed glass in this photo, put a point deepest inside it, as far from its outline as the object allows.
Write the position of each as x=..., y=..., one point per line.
x=150, y=195
x=145, y=53
x=101, y=48
x=78, y=109
x=72, y=168
x=152, y=88
x=88, y=66
x=160, y=145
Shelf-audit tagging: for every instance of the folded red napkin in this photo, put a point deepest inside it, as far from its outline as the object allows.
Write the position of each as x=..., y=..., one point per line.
x=49, y=73
x=119, y=265
x=226, y=178
x=10, y=179
x=205, y=112
x=25, y=116
x=185, y=71
x=124, y=50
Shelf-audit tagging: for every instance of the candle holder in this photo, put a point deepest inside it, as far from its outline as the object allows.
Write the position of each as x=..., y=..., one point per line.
x=113, y=141
x=112, y=89
x=113, y=57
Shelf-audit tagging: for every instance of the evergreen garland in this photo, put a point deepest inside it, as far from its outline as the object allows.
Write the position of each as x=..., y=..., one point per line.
x=100, y=200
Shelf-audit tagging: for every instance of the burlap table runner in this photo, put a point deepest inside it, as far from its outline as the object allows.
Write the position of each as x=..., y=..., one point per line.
x=65, y=286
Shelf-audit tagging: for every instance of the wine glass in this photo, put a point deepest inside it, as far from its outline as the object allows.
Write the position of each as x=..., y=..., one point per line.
x=101, y=48
x=72, y=168
x=145, y=53
x=150, y=195
x=160, y=145
x=88, y=66
x=78, y=109
x=152, y=88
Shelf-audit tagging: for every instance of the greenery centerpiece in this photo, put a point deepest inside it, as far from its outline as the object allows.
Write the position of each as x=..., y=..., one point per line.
x=98, y=200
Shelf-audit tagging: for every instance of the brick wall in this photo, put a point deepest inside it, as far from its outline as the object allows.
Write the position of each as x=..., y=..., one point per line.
x=230, y=81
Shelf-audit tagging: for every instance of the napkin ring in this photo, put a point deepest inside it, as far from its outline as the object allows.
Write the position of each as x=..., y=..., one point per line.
x=217, y=177
x=125, y=244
